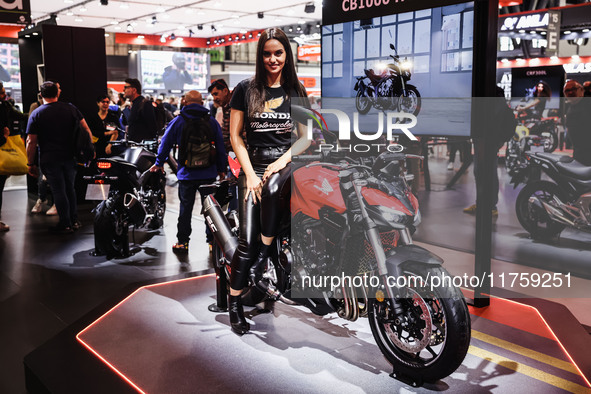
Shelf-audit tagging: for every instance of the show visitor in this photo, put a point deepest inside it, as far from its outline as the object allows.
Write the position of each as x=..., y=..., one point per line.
x=52, y=127
x=264, y=157
x=103, y=125
x=504, y=125
x=8, y=116
x=222, y=95
x=189, y=179
x=141, y=120
x=578, y=121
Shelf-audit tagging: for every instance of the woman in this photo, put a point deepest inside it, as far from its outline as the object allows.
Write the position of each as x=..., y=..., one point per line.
x=262, y=106
x=542, y=94
x=103, y=126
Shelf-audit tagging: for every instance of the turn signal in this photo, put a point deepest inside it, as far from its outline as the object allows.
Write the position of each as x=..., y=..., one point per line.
x=103, y=165
x=380, y=296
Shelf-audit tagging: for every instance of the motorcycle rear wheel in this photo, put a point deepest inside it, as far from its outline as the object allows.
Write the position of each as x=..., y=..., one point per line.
x=110, y=231
x=533, y=217
x=550, y=140
x=158, y=186
x=362, y=102
x=417, y=355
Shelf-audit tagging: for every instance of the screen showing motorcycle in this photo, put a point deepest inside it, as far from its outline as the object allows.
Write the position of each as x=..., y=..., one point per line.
x=165, y=71
x=417, y=62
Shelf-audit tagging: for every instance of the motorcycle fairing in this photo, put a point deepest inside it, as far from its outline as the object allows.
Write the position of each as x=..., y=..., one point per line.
x=315, y=188
x=405, y=255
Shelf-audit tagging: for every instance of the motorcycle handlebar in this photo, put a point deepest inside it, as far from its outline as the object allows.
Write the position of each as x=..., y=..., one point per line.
x=301, y=158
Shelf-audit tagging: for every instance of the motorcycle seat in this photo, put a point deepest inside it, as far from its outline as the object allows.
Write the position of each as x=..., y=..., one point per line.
x=575, y=170
x=554, y=158
x=120, y=161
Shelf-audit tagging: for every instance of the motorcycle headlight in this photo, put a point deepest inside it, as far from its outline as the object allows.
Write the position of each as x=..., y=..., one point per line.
x=380, y=66
x=418, y=218
x=391, y=215
x=406, y=65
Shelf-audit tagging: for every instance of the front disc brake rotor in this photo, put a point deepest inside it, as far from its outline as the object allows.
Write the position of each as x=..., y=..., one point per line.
x=404, y=335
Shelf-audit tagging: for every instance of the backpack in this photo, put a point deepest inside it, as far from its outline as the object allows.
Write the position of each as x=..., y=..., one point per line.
x=198, y=141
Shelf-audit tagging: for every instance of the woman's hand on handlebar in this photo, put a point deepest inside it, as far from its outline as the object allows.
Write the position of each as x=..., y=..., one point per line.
x=254, y=186
x=274, y=167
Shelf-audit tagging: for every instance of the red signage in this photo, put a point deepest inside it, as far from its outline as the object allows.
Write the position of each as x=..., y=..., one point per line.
x=310, y=53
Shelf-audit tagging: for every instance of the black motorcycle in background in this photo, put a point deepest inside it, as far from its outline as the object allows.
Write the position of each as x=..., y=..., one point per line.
x=388, y=90
x=131, y=196
x=545, y=208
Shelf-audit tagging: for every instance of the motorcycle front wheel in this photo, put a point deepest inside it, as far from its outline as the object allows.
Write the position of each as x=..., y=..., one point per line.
x=411, y=103
x=531, y=213
x=362, y=102
x=430, y=338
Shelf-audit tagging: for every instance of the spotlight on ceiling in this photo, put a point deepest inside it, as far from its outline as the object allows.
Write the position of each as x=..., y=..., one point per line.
x=213, y=28
x=129, y=28
x=309, y=8
x=208, y=42
x=290, y=29
x=261, y=15
x=191, y=33
x=199, y=27
x=154, y=20
x=104, y=2
x=163, y=38
x=173, y=36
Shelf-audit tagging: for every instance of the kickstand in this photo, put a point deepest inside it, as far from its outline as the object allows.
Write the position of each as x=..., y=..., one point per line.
x=406, y=379
x=221, y=304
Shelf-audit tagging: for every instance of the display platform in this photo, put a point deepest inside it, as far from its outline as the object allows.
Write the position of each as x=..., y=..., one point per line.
x=162, y=339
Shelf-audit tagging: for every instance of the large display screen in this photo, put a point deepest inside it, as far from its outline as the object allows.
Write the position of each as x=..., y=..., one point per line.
x=431, y=49
x=174, y=70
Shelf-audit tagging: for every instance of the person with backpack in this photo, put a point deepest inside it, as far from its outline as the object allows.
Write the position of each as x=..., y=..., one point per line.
x=202, y=157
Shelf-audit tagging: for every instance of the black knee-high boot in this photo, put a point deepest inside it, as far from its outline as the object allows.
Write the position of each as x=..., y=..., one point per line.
x=239, y=324
x=258, y=268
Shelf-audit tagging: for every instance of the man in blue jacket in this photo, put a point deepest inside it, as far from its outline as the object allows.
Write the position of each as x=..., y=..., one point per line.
x=191, y=179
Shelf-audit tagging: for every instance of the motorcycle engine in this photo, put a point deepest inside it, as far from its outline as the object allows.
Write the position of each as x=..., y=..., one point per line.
x=317, y=259
x=386, y=87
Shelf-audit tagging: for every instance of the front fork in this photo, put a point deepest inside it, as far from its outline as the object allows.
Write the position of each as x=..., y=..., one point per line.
x=375, y=241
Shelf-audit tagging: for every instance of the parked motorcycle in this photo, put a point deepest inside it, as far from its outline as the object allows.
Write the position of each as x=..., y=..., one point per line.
x=545, y=208
x=530, y=123
x=355, y=217
x=131, y=196
x=388, y=90
x=517, y=147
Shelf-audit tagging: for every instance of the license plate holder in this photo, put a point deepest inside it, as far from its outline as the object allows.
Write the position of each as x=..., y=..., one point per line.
x=97, y=192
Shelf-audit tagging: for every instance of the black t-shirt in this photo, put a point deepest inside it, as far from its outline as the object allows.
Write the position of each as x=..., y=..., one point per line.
x=54, y=125
x=272, y=127
x=98, y=127
x=141, y=121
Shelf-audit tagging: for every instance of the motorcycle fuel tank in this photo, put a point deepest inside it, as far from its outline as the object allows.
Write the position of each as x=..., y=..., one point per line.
x=315, y=188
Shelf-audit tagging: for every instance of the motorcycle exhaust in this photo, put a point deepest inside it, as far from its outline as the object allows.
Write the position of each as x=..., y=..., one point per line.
x=135, y=209
x=556, y=214
x=219, y=226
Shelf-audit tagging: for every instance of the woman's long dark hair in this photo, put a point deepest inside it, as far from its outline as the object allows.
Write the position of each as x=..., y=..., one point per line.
x=289, y=78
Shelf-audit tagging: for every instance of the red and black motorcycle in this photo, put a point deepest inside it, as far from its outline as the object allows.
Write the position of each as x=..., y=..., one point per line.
x=354, y=218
